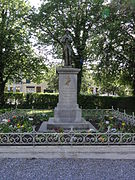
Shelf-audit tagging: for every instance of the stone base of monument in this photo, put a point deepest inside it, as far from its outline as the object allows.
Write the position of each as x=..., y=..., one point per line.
x=67, y=114
x=52, y=125
x=79, y=125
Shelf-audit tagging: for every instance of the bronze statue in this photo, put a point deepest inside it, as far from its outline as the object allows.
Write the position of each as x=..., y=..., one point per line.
x=67, y=50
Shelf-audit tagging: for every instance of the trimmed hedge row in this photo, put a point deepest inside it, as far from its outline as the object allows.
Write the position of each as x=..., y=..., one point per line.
x=49, y=101
x=36, y=100
x=106, y=102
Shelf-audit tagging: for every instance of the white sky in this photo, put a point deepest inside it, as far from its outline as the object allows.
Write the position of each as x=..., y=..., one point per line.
x=35, y=3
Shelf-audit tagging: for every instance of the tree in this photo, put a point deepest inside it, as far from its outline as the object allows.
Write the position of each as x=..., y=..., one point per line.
x=113, y=44
x=87, y=81
x=110, y=84
x=52, y=79
x=78, y=16
x=17, y=58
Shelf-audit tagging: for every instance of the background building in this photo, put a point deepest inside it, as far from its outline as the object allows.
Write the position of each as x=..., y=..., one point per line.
x=26, y=86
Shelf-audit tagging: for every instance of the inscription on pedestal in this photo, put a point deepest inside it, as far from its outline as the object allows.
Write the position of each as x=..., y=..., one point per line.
x=68, y=80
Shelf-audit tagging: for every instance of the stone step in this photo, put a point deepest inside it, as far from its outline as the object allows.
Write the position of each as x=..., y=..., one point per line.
x=84, y=125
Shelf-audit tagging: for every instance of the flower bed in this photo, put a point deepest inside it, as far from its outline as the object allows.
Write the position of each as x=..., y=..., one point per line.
x=103, y=121
x=112, y=124
x=22, y=123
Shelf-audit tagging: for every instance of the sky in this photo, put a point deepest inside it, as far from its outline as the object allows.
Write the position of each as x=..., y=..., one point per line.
x=35, y=3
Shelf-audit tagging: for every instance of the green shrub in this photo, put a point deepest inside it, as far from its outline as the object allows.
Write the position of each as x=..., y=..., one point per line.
x=29, y=100
x=12, y=99
x=50, y=100
x=106, y=102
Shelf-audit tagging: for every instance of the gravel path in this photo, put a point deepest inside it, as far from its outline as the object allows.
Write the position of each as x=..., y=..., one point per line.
x=66, y=169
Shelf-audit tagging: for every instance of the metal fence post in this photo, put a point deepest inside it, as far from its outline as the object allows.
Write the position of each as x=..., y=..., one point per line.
x=33, y=134
x=133, y=116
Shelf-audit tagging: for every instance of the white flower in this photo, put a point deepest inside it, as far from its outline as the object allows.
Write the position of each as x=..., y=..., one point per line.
x=91, y=130
x=107, y=122
x=30, y=119
x=113, y=130
x=4, y=120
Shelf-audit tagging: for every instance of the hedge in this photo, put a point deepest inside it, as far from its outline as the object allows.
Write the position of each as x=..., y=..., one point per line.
x=13, y=98
x=106, y=102
x=49, y=101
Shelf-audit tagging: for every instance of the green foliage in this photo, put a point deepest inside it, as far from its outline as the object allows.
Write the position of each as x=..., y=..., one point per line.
x=100, y=32
x=105, y=102
x=17, y=59
x=79, y=17
x=17, y=97
x=110, y=83
x=113, y=45
x=87, y=81
x=22, y=123
x=2, y=111
x=52, y=79
x=16, y=124
x=39, y=101
x=31, y=100
x=112, y=124
x=49, y=101
x=14, y=37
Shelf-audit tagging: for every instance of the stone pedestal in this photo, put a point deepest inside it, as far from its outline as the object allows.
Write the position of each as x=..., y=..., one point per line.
x=67, y=109
x=67, y=114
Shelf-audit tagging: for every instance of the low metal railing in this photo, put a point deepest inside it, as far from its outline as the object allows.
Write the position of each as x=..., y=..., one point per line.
x=101, y=113
x=71, y=138
x=94, y=113
x=124, y=117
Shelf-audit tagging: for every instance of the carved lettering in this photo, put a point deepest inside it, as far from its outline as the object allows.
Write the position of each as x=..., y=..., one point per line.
x=68, y=80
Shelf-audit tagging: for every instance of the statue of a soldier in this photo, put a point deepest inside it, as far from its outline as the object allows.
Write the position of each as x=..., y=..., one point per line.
x=67, y=50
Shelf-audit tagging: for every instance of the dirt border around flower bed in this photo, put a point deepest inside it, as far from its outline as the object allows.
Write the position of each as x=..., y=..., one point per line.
x=75, y=152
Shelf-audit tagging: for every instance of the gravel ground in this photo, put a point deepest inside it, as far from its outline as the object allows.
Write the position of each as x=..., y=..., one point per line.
x=66, y=169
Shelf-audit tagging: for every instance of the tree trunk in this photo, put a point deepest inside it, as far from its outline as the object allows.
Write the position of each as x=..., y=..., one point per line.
x=2, y=87
x=79, y=64
x=133, y=87
x=132, y=65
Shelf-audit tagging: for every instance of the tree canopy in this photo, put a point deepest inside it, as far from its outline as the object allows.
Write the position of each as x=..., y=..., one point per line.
x=77, y=16
x=17, y=59
x=101, y=32
x=113, y=44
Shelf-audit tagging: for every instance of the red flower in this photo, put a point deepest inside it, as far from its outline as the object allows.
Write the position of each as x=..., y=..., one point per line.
x=8, y=120
x=14, y=117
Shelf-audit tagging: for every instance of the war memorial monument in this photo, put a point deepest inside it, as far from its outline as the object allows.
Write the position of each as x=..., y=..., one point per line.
x=67, y=114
